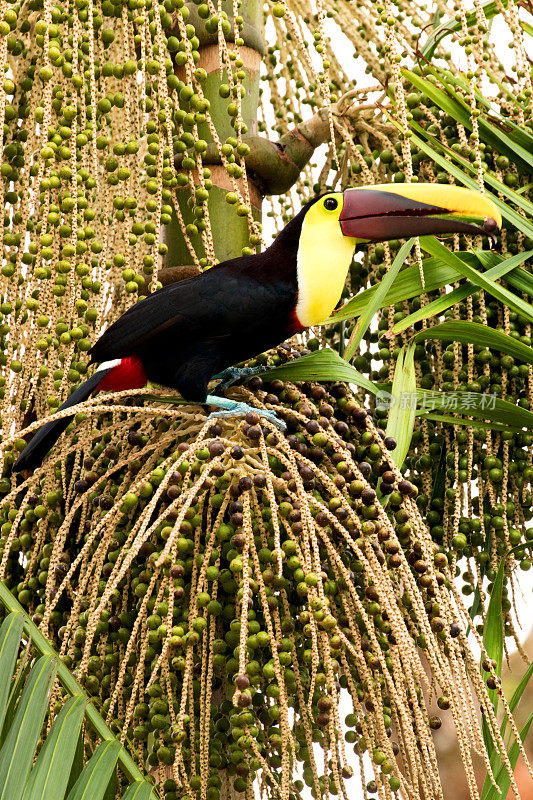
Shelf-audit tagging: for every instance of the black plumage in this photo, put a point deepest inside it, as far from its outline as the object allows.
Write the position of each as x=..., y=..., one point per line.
x=187, y=332
x=184, y=334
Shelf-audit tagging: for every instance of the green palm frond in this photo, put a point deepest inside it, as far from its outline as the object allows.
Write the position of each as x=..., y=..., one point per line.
x=55, y=770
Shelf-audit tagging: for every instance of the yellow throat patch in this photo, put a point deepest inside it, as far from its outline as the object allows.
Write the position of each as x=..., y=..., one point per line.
x=324, y=257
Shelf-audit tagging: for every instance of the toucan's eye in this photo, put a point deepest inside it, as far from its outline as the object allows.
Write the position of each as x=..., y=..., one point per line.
x=330, y=204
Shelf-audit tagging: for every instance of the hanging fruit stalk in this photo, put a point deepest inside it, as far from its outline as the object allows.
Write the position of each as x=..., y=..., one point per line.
x=218, y=587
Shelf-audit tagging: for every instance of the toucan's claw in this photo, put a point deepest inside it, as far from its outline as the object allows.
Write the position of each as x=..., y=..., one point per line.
x=232, y=374
x=233, y=408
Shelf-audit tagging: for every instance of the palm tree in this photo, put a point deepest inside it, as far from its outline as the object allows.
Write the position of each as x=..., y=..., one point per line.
x=195, y=602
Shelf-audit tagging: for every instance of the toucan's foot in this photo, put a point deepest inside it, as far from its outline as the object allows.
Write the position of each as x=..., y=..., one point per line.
x=232, y=374
x=232, y=408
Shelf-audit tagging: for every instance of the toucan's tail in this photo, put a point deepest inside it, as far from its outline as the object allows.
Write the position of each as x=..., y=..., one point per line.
x=36, y=449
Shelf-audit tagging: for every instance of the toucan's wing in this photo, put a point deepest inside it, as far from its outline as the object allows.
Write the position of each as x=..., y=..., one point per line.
x=186, y=306
x=207, y=306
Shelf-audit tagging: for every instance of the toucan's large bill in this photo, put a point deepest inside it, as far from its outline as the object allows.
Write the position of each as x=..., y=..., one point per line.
x=377, y=213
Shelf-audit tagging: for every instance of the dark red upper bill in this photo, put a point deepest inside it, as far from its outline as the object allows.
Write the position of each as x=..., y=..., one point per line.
x=377, y=216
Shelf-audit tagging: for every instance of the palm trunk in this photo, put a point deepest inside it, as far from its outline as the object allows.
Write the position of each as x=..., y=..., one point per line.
x=230, y=232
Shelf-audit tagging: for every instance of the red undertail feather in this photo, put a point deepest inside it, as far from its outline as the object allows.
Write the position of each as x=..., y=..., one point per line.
x=129, y=374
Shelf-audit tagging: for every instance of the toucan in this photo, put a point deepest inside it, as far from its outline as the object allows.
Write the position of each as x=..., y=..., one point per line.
x=187, y=333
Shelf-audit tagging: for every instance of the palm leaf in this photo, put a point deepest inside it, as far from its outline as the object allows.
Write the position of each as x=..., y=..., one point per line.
x=451, y=103
x=93, y=781
x=436, y=248
x=502, y=778
x=517, y=695
x=520, y=279
x=493, y=643
x=407, y=284
x=369, y=312
x=441, y=304
x=64, y=742
x=10, y=634
x=140, y=790
x=472, y=404
x=437, y=275
x=526, y=27
x=16, y=756
x=475, y=424
x=489, y=178
x=517, y=134
x=77, y=763
x=111, y=788
x=477, y=334
x=402, y=413
x=449, y=26
x=519, y=691
x=439, y=483
x=49, y=777
x=24, y=666
x=322, y=365
x=493, y=628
